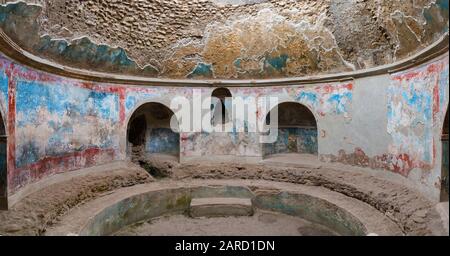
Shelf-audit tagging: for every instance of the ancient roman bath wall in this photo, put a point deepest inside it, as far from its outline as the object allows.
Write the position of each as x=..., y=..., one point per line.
x=371, y=115
x=390, y=122
x=399, y=120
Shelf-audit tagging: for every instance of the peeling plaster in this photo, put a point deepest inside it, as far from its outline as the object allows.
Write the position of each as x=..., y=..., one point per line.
x=232, y=40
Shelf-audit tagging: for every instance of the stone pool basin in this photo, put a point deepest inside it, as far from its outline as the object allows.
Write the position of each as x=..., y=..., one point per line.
x=110, y=213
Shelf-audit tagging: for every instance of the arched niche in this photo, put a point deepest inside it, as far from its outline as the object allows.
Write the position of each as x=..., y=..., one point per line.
x=150, y=132
x=297, y=130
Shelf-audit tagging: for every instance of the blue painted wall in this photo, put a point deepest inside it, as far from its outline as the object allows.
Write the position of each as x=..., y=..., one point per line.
x=294, y=140
x=65, y=117
x=162, y=141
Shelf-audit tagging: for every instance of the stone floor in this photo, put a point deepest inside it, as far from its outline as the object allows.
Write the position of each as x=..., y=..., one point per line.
x=260, y=224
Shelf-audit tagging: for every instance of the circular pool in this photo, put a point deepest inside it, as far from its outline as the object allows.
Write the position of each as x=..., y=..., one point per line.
x=163, y=208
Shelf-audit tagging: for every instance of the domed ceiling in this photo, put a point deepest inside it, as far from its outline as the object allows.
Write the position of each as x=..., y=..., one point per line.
x=224, y=39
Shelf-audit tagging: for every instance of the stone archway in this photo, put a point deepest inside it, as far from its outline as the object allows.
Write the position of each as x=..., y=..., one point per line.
x=297, y=130
x=149, y=132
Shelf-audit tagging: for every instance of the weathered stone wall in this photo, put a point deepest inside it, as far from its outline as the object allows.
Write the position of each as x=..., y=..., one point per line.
x=396, y=125
x=388, y=122
x=225, y=39
x=56, y=124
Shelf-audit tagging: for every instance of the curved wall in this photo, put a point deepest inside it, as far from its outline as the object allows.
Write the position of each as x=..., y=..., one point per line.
x=391, y=122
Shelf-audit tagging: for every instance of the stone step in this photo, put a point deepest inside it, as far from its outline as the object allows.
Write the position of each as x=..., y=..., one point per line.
x=221, y=207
